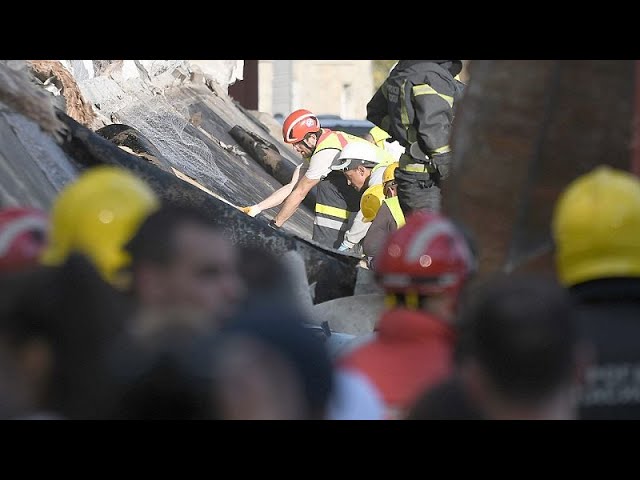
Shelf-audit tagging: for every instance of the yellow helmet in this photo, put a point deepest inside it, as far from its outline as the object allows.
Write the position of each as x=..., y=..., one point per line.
x=379, y=136
x=97, y=215
x=390, y=172
x=596, y=227
x=371, y=201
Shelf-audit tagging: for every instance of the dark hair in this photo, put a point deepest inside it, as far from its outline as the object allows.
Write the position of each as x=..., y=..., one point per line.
x=154, y=240
x=77, y=314
x=168, y=379
x=282, y=328
x=521, y=329
x=447, y=400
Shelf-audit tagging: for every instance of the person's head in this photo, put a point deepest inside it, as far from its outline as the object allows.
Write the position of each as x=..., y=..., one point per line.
x=377, y=136
x=23, y=236
x=266, y=276
x=596, y=227
x=356, y=160
x=521, y=356
x=425, y=264
x=269, y=365
x=56, y=327
x=96, y=216
x=166, y=373
x=302, y=130
x=389, y=184
x=181, y=259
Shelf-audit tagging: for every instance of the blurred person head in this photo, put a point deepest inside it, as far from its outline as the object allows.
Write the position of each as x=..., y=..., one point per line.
x=180, y=259
x=56, y=327
x=23, y=235
x=96, y=216
x=164, y=370
x=447, y=400
x=521, y=357
x=268, y=365
x=266, y=276
x=596, y=227
x=425, y=264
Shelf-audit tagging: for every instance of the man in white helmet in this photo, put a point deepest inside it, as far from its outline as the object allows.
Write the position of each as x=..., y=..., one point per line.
x=363, y=164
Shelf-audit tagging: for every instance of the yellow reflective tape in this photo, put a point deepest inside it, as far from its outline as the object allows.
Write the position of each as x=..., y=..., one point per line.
x=411, y=300
x=333, y=211
x=443, y=149
x=390, y=300
x=415, y=167
x=404, y=115
x=418, y=168
x=429, y=90
x=333, y=224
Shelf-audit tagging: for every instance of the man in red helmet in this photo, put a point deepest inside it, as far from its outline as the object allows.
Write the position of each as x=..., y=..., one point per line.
x=23, y=234
x=422, y=268
x=336, y=202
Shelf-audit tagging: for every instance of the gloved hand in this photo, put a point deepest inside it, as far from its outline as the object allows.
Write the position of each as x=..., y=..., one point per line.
x=252, y=210
x=343, y=247
x=443, y=163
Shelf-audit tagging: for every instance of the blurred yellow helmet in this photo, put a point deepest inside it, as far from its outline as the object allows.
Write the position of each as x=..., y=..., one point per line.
x=97, y=215
x=390, y=172
x=596, y=227
x=371, y=201
x=379, y=136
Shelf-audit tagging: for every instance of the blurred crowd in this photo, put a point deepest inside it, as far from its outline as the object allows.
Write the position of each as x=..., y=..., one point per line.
x=118, y=304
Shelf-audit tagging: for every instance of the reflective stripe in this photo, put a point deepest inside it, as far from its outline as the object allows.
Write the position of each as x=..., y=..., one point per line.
x=333, y=224
x=429, y=90
x=333, y=211
x=390, y=300
x=343, y=141
x=444, y=149
x=337, y=140
x=404, y=115
x=418, y=168
x=415, y=167
x=411, y=300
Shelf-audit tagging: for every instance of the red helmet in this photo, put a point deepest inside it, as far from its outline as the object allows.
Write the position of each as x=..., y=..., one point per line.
x=298, y=124
x=428, y=255
x=23, y=234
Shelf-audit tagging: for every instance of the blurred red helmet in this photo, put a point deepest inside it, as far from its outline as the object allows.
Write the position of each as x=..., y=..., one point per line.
x=298, y=124
x=23, y=234
x=428, y=255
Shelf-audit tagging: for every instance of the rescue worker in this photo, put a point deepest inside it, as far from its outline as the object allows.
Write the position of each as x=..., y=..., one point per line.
x=363, y=165
x=596, y=227
x=388, y=218
x=336, y=202
x=415, y=104
x=422, y=269
x=96, y=216
x=23, y=235
x=382, y=139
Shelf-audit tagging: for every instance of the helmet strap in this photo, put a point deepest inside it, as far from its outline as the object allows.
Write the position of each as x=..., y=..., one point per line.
x=304, y=140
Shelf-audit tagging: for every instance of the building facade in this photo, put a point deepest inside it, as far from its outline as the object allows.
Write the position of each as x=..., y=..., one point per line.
x=326, y=87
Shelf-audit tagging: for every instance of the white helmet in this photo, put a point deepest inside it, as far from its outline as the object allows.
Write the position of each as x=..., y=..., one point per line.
x=357, y=153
